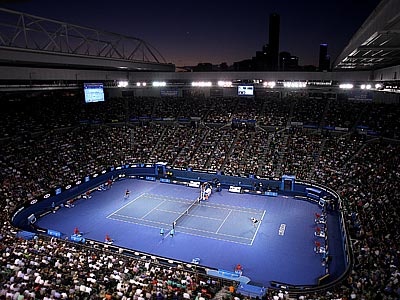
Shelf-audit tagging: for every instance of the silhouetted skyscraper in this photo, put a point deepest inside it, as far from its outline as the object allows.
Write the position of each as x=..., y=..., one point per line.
x=288, y=62
x=274, y=29
x=268, y=58
x=324, y=58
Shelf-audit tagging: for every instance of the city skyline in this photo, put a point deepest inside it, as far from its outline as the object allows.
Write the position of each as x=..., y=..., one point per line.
x=215, y=32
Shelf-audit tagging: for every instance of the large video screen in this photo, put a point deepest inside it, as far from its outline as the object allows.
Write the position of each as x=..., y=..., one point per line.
x=94, y=92
x=246, y=90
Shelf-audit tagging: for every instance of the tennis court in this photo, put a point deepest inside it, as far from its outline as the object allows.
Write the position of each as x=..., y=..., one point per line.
x=218, y=231
x=204, y=219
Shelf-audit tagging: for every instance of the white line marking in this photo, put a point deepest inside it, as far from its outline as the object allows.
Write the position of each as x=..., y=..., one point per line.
x=207, y=204
x=140, y=223
x=169, y=211
x=259, y=224
x=167, y=197
x=205, y=233
x=154, y=208
x=138, y=219
x=211, y=232
x=232, y=208
x=125, y=205
x=262, y=217
x=223, y=222
x=204, y=217
x=214, y=238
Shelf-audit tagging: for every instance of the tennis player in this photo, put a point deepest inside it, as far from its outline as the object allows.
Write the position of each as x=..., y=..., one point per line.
x=238, y=269
x=108, y=239
x=77, y=231
x=254, y=221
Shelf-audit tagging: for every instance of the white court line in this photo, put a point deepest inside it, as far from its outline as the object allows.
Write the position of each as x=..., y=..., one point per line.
x=125, y=216
x=207, y=204
x=205, y=233
x=262, y=217
x=183, y=200
x=232, y=208
x=169, y=211
x=223, y=222
x=189, y=215
x=154, y=208
x=124, y=206
x=259, y=224
x=169, y=197
x=204, y=217
x=211, y=232
x=218, y=239
x=140, y=223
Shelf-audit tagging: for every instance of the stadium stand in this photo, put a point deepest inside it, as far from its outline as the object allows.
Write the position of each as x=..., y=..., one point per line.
x=55, y=129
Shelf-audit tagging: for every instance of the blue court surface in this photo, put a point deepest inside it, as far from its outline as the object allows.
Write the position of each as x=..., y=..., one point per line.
x=205, y=219
x=280, y=247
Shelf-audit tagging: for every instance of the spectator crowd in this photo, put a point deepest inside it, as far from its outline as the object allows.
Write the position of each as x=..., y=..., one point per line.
x=55, y=139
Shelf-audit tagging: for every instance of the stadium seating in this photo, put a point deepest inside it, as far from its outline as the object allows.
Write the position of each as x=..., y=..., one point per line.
x=49, y=141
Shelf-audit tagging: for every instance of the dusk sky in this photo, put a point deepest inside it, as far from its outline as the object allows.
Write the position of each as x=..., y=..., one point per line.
x=189, y=32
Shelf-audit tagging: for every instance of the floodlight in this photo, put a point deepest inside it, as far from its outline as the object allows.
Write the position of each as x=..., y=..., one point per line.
x=295, y=84
x=201, y=83
x=123, y=83
x=222, y=83
x=269, y=84
x=159, y=83
x=346, y=86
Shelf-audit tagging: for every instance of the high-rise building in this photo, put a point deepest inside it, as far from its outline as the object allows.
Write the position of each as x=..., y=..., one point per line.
x=266, y=59
x=324, y=58
x=273, y=46
x=288, y=62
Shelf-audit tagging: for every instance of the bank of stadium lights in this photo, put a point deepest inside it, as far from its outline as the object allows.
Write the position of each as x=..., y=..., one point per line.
x=159, y=83
x=365, y=86
x=269, y=84
x=294, y=84
x=123, y=83
x=320, y=83
x=346, y=86
x=222, y=83
x=202, y=83
x=141, y=83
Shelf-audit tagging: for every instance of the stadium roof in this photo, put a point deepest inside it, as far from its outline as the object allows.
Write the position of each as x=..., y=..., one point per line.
x=27, y=40
x=376, y=44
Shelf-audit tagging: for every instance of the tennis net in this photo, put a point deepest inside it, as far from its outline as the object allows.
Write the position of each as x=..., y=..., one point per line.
x=185, y=213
